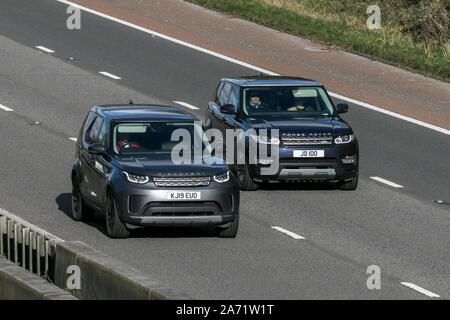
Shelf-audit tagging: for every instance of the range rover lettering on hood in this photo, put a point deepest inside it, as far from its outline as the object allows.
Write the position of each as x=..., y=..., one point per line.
x=299, y=125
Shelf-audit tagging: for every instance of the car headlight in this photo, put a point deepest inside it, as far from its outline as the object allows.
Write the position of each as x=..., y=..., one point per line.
x=344, y=139
x=265, y=139
x=136, y=178
x=221, y=178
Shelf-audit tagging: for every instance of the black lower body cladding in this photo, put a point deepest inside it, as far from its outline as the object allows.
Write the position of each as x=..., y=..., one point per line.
x=339, y=162
x=217, y=205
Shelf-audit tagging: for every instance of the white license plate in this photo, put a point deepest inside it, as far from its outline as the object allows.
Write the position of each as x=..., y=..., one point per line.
x=309, y=153
x=183, y=195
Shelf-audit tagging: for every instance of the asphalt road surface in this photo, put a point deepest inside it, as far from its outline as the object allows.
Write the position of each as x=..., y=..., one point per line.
x=400, y=229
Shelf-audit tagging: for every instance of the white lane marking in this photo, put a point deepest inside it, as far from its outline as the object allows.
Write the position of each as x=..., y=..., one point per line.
x=45, y=49
x=163, y=36
x=390, y=113
x=187, y=105
x=5, y=108
x=289, y=233
x=28, y=225
x=315, y=49
x=250, y=66
x=110, y=75
x=73, y=139
x=420, y=289
x=389, y=183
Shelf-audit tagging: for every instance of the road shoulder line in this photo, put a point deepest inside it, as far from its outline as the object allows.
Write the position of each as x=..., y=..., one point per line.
x=250, y=66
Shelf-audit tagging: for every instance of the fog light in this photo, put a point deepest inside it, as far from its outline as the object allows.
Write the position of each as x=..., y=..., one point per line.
x=348, y=160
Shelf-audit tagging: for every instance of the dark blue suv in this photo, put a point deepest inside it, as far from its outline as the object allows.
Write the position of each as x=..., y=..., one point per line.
x=313, y=142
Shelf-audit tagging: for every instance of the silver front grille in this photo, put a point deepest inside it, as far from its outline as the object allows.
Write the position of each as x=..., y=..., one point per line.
x=306, y=139
x=182, y=182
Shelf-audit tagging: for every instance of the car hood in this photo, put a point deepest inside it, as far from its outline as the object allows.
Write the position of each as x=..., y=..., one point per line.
x=310, y=125
x=163, y=166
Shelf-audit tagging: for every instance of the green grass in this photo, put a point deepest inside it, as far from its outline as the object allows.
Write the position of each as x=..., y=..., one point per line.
x=401, y=40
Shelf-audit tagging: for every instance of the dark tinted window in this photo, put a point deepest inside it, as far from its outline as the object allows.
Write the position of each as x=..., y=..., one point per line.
x=225, y=94
x=87, y=124
x=219, y=89
x=102, y=137
x=93, y=131
x=234, y=97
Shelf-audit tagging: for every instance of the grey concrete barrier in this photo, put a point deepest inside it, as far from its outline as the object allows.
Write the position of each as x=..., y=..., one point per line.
x=17, y=283
x=104, y=278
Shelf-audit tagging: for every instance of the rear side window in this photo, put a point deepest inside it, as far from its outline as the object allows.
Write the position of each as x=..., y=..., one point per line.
x=219, y=89
x=93, y=132
x=87, y=124
x=234, y=97
x=225, y=94
x=102, y=136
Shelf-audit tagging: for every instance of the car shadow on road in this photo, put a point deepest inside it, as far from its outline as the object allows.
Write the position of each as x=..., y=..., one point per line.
x=64, y=201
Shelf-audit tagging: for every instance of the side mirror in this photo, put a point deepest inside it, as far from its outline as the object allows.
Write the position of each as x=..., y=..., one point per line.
x=96, y=148
x=227, y=109
x=342, y=107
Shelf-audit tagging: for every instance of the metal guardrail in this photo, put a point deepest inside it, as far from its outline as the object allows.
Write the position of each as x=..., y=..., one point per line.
x=100, y=276
x=27, y=246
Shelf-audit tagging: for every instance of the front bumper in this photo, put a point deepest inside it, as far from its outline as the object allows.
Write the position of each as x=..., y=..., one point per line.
x=147, y=205
x=330, y=167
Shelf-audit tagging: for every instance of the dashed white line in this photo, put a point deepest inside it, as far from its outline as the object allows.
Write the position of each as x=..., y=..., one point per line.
x=250, y=66
x=315, y=49
x=45, y=49
x=420, y=289
x=110, y=75
x=289, y=233
x=187, y=105
x=163, y=36
x=5, y=108
x=389, y=183
x=73, y=139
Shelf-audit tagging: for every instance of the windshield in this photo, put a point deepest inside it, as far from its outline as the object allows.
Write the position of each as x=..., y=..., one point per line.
x=144, y=139
x=286, y=101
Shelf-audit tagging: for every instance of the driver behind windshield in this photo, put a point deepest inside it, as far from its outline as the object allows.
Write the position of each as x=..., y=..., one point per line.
x=123, y=142
x=255, y=102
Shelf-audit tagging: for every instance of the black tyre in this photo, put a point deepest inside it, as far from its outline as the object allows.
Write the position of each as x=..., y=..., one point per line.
x=245, y=180
x=115, y=228
x=231, y=231
x=80, y=211
x=351, y=184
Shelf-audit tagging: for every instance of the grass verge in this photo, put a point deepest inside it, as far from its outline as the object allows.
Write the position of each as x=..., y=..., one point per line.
x=411, y=36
